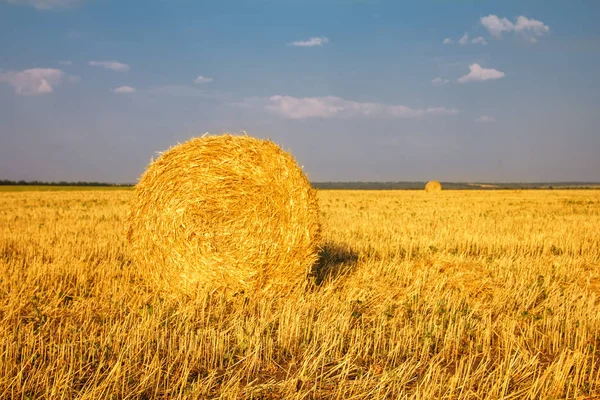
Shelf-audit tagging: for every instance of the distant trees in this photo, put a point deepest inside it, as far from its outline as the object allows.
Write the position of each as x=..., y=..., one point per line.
x=6, y=182
x=454, y=185
x=360, y=185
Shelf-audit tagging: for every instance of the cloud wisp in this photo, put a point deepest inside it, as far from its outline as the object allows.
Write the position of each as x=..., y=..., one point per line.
x=331, y=106
x=312, y=42
x=479, y=74
x=33, y=82
x=111, y=65
x=464, y=40
x=124, y=89
x=485, y=119
x=202, y=79
x=439, y=81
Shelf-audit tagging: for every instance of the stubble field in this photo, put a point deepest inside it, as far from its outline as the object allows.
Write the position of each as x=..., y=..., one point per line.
x=457, y=294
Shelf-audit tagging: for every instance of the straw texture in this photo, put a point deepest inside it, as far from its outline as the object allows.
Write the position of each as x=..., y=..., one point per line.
x=433, y=186
x=230, y=212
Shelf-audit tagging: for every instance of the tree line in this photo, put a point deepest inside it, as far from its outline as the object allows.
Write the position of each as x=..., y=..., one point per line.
x=6, y=182
x=359, y=185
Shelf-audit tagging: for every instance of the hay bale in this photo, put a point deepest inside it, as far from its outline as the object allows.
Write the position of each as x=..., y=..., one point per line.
x=433, y=186
x=229, y=212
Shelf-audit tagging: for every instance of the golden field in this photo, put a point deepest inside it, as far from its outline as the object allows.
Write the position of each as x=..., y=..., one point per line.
x=449, y=295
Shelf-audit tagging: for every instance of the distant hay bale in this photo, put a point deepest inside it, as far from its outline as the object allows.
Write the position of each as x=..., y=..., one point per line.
x=433, y=186
x=229, y=212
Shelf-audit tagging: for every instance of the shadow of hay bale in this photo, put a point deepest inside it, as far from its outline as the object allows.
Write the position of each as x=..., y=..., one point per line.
x=335, y=261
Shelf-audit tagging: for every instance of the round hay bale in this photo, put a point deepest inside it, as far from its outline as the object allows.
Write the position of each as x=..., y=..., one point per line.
x=224, y=212
x=433, y=186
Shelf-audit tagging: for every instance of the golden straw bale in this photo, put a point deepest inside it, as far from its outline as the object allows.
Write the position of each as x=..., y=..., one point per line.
x=224, y=212
x=433, y=186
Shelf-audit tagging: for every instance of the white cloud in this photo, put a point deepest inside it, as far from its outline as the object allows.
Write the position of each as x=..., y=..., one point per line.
x=439, y=81
x=464, y=39
x=312, y=42
x=33, y=82
x=331, y=106
x=496, y=26
x=124, y=89
x=65, y=62
x=44, y=4
x=479, y=40
x=112, y=65
x=202, y=79
x=478, y=74
x=533, y=25
x=485, y=119
x=447, y=41
x=529, y=28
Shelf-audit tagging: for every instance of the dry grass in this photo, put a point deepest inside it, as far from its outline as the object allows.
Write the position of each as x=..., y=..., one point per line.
x=224, y=213
x=433, y=186
x=464, y=295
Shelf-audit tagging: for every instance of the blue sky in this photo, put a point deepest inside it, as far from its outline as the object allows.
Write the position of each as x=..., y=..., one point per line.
x=491, y=91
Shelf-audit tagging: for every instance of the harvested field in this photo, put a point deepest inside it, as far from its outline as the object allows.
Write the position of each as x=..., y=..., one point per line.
x=466, y=294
